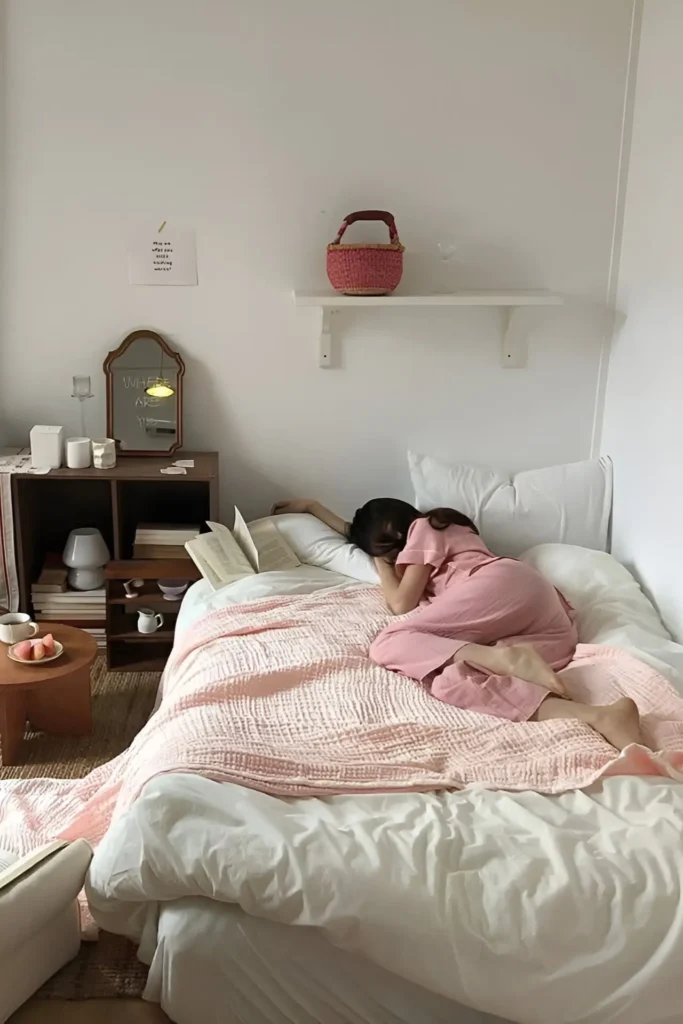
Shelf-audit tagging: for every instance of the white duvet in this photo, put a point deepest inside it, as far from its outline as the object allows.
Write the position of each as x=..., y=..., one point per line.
x=538, y=909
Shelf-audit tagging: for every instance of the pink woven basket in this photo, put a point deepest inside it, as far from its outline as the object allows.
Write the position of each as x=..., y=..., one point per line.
x=370, y=268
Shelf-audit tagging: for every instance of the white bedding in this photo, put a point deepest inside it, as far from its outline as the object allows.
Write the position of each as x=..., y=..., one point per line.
x=211, y=955
x=201, y=599
x=572, y=904
x=537, y=909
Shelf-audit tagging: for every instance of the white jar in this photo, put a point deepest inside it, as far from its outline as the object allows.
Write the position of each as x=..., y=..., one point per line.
x=78, y=452
x=47, y=444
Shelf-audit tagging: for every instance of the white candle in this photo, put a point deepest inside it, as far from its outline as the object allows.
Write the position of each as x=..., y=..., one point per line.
x=81, y=387
x=78, y=452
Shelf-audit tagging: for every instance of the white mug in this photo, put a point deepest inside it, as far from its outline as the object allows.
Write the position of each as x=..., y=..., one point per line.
x=148, y=622
x=15, y=627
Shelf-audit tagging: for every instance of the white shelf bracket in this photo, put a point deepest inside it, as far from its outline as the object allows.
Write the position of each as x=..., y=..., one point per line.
x=521, y=311
x=325, y=340
x=519, y=323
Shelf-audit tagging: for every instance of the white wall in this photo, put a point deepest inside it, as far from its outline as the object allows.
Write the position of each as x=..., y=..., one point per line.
x=643, y=426
x=490, y=126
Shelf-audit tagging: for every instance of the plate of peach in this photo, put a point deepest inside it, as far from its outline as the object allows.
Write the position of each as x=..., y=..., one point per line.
x=36, y=652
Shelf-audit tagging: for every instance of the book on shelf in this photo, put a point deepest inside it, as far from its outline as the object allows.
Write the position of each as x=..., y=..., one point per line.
x=75, y=612
x=224, y=556
x=53, y=573
x=75, y=616
x=70, y=597
x=155, y=551
x=49, y=588
x=165, y=533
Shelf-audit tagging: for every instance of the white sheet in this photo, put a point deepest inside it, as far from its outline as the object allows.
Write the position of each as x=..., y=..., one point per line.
x=537, y=909
x=211, y=955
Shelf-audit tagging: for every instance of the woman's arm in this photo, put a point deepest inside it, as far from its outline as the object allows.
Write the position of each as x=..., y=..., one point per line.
x=314, y=508
x=404, y=593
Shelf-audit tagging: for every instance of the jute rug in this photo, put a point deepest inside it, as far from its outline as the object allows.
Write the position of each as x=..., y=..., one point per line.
x=122, y=703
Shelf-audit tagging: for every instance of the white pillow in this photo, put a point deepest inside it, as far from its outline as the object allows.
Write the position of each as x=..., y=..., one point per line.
x=611, y=608
x=317, y=544
x=567, y=504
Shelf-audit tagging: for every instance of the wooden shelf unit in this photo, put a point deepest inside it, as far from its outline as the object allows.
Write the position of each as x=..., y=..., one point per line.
x=46, y=508
x=128, y=650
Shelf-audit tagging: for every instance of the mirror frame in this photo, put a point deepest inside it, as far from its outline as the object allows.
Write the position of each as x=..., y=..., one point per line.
x=109, y=373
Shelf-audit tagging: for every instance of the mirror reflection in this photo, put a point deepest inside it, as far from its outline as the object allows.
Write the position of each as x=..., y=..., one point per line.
x=144, y=404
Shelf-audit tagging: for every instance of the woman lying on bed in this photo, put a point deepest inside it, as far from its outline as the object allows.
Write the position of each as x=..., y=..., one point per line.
x=487, y=633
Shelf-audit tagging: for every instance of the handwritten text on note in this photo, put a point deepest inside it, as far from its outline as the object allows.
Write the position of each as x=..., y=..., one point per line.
x=166, y=258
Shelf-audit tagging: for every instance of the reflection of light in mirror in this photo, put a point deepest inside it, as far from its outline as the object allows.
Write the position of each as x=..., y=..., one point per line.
x=160, y=389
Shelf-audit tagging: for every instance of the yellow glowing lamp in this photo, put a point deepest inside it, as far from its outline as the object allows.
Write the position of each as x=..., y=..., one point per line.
x=160, y=389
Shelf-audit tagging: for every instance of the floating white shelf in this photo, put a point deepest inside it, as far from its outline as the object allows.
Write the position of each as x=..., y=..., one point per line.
x=514, y=354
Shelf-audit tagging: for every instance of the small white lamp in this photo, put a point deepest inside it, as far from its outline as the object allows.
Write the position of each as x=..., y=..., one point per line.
x=86, y=554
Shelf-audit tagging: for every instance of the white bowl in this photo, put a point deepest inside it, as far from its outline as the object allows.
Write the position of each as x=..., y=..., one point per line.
x=172, y=590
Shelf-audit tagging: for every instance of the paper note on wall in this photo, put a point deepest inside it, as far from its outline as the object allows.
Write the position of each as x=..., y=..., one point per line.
x=169, y=257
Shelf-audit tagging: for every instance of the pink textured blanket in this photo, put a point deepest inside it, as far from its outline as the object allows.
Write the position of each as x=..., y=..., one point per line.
x=280, y=696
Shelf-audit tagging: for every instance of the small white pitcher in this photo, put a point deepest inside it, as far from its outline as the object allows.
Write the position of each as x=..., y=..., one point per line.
x=148, y=621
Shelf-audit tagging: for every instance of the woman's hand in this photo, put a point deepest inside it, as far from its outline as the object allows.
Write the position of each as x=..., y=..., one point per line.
x=281, y=508
x=402, y=593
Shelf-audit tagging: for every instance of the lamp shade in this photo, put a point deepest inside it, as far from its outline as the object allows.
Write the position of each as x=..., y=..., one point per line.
x=85, y=549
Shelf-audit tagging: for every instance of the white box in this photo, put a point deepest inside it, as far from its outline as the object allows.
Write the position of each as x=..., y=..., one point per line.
x=47, y=447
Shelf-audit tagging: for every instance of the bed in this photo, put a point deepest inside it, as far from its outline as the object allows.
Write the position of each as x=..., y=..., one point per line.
x=471, y=907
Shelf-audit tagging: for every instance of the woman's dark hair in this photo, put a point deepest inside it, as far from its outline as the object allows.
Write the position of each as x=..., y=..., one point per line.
x=381, y=526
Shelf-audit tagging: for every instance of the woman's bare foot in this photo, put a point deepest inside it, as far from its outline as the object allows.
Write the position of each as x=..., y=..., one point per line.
x=619, y=723
x=526, y=663
x=520, y=660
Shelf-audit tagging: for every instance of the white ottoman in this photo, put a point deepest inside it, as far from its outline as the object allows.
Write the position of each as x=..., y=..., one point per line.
x=39, y=918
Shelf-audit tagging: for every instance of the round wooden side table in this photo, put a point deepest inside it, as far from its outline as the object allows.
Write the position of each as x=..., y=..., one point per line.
x=54, y=698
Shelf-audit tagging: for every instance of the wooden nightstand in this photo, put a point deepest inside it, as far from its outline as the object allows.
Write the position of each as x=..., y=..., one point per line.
x=127, y=649
x=46, y=508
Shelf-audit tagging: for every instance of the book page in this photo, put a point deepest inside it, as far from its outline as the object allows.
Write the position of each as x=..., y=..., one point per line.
x=203, y=566
x=25, y=864
x=218, y=556
x=240, y=532
x=274, y=553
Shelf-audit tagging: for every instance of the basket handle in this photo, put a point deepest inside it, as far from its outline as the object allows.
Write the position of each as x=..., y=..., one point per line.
x=383, y=215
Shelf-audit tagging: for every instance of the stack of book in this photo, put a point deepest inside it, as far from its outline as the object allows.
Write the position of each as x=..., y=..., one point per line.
x=70, y=605
x=163, y=540
x=54, y=602
x=100, y=634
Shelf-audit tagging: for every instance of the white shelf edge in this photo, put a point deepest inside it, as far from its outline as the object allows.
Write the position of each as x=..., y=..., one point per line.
x=331, y=300
x=514, y=348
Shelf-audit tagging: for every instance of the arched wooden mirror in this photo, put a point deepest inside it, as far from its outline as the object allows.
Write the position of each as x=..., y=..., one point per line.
x=145, y=395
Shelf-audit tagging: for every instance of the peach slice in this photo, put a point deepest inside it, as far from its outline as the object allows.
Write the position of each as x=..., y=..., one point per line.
x=23, y=650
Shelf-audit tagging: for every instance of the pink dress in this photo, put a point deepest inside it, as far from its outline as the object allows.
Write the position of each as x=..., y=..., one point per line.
x=473, y=596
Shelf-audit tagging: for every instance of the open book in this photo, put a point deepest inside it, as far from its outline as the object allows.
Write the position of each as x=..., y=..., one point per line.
x=223, y=556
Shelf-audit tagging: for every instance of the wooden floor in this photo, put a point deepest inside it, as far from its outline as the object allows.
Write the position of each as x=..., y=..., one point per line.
x=89, y=1011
